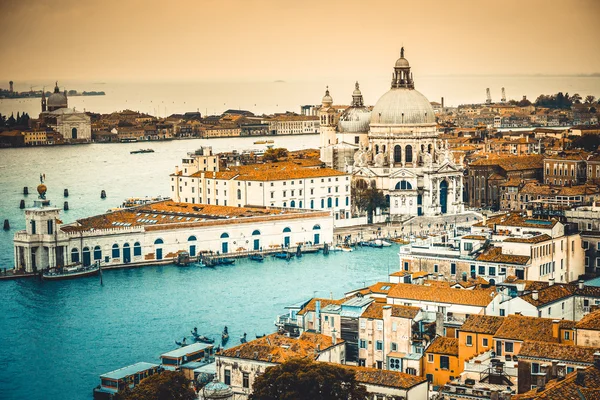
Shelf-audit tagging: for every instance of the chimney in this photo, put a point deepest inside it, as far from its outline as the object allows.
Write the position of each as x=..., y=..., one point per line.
x=534, y=295
x=439, y=324
x=506, y=394
x=494, y=395
x=551, y=281
x=580, y=284
x=387, y=315
x=597, y=359
x=518, y=313
x=561, y=371
x=442, y=102
x=556, y=328
x=333, y=336
x=580, y=379
x=440, y=277
x=554, y=372
x=484, y=219
x=529, y=213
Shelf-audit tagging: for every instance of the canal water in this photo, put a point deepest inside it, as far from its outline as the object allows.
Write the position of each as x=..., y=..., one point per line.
x=58, y=337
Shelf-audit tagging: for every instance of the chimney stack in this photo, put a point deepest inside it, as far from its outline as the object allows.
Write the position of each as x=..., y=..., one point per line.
x=551, y=281
x=580, y=284
x=556, y=328
x=534, y=295
x=333, y=336
x=580, y=379
x=442, y=103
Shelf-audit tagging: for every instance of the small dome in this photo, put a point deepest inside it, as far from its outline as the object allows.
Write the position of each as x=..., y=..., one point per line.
x=327, y=99
x=354, y=120
x=401, y=106
x=402, y=63
x=217, y=390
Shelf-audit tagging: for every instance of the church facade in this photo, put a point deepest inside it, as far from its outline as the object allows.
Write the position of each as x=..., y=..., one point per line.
x=74, y=126
x=396, y=149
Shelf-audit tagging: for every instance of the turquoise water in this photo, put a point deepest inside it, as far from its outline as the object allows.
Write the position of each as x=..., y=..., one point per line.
x=58, y=337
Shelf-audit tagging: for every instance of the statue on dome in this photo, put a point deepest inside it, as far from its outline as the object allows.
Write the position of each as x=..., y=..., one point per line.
x=41, y=189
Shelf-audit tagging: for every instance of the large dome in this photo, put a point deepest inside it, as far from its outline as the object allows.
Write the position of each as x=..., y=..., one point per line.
x=400, y=106
x=354, y=120
x=57, y=100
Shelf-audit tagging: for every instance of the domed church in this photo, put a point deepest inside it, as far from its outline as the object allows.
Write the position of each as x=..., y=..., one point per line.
x=399, y=150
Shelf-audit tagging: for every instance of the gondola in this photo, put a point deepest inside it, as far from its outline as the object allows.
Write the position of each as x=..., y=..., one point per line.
x=226, y=261
x=260, y=336
x=284, y=255
x=257, y=257
x=182, y=343
x=224, y=336
x=243, y=338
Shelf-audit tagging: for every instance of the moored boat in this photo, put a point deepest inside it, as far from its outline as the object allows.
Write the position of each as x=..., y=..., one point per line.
x=226, y=261
x=140, y=151
x=346, y=248
x=260, y=142
x=224, y=336
x=284, y=255
x=257, y=257
x=71, y=272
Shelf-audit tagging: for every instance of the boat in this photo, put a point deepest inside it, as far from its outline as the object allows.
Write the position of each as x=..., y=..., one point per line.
x=182, y=343
x=260, y=142
x=128, y=140
x=226, y=261
x=270, y=141
x=385, y=243
x=346, y=248
x=310, y=250
x=224, y=336
x=257, y=257
x=141, y=151
x=260, y=336
x=183, y=259
x=203, y=339
x=284, y=255
x=243, y=338
x=71, y=272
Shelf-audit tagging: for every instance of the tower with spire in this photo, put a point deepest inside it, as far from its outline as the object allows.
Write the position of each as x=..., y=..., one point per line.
x=44, y=100
x=327, y=125
x=402, y=77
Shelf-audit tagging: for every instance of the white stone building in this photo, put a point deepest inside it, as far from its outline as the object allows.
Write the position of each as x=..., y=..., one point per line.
x=297, y=184
x=403, y=155
x=157, y=232
x=75, y=126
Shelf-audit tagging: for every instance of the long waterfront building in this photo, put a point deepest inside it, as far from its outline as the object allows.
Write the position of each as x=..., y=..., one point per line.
x=157, y=232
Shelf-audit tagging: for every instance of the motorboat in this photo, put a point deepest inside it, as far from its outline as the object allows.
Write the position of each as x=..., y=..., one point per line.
x=71, y=272
x=141, y=151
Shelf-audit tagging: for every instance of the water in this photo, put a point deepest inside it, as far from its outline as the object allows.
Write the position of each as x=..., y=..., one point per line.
x=165, y=98
x=58, y=337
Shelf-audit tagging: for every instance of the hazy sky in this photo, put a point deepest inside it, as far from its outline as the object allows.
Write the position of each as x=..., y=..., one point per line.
x=293, y=40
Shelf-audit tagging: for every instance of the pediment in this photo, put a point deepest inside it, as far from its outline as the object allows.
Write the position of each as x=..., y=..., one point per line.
x=364, y=172
x=403, y=173
x=447, y=167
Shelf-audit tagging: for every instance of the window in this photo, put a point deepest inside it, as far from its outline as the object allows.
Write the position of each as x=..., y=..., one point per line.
x=394, y=326
x=137, y=249
x=492, y=271
x=116, y=253
x=227, y=379
x=508, y=347
x=485, y=342
x=363, y=344
x=468, y=246
x=452, y=268
x=50, y=227
x=444, y=362
x=567, y=335
x=245, y=380
x=363, y=324
x=435, y=268
x=481, y=270
x=429, y=358
x=411, y=371
x=394, y=347
x=535, y=368
x=502, y=312
x=379, y=345
x=379, y=325
x=469, y=340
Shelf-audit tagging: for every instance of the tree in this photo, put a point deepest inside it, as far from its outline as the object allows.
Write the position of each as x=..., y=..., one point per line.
x=587, y=142
x=302, y=379
x=367, y=197
x=275, y=154
x=168, y=385
x=576, y=98
x=589, y=99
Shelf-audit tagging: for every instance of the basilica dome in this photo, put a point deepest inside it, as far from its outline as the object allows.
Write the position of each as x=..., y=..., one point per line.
x=57, y=100
x=402, y=104
x=356, y=118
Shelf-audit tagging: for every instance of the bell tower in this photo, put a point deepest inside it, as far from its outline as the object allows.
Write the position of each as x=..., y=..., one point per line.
x=402, y=77
x=327, y=127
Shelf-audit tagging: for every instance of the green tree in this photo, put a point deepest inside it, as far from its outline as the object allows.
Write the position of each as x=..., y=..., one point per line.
x=275, y=154
x=367, y=198
x=587, y=142
x=590, y=99
x=168, y=385
x=302, y=379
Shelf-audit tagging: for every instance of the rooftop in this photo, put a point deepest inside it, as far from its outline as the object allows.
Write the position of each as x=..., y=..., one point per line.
x=128, y=371
x=312, y=304
x=590, y=321
x=567, y=388
x=494, y=254
x=185, y=350
x=277, y=348
x=379, y=377
x=375, y=311
x=557, y=351
x=443, y=345
x=518, y=327
x=441, y=294
x=487, y=324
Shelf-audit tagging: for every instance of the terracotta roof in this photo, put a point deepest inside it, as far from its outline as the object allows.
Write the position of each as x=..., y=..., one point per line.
x=511, y=163
x=494, y=254
x=474, y=237
x=550, y=294
x=518, y=327
x=488, y=324
x=278, y=348
x=481, y=297
x=382, y=377
x=379, y=288
x=590, y=321
x=534, y=239
x=567, y=388
x=285, y=170
x=443, y=345
x=171, y=215
x=312, y=304
x=557, y=351
x=375, y=311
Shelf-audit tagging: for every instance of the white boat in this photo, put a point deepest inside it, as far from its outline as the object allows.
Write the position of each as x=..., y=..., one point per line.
x=347, y=248
x=382, y=243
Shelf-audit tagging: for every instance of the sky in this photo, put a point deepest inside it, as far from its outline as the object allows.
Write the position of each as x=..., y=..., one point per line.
x=267, y=40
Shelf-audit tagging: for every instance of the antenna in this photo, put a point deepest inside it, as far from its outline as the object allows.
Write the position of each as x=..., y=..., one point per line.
x=503, y=100
x=489, y=97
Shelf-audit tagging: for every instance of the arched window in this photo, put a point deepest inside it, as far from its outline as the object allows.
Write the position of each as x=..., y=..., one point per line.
x=316, y=227
x=409, y=154
x=285, y=203
x=329, y=202
x=224, y=235
x=137, y=249
x=312, y=204
x=286, y=230
x=383, y=149
x=97, y=253
x=403, y=185
x=293, y=203
x=116, y=253
x=86, y=256
x=74, y=133
x=158, y=241
x=300, y=205
x=239, y=194
x=192, y=238
x=397, y=153
x=337, y=202
x=429, y=148
x=74, y=256
x=322, y=203
x=256, y=232
x=347, y=201
x=376, y=149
